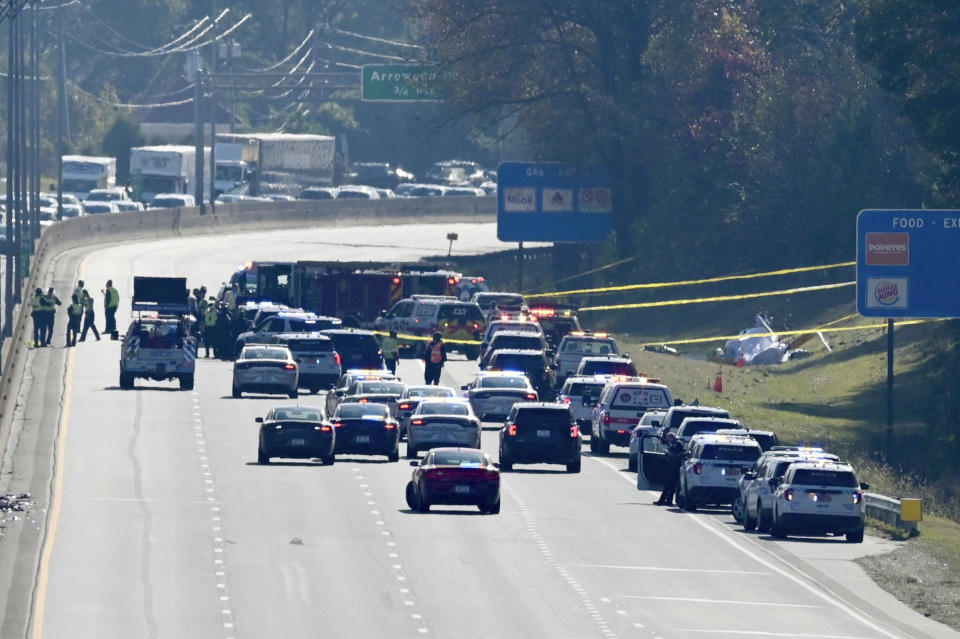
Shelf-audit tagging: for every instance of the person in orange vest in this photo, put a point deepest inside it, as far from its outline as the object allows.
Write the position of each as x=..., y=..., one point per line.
x=433, y=358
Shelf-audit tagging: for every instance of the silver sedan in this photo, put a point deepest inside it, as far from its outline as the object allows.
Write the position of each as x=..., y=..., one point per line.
x=265, y=369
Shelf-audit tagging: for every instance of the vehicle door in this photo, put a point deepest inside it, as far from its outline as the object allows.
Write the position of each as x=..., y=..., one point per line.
x=653, y=463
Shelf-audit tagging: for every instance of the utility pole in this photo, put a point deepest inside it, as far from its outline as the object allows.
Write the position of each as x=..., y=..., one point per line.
x=8, y=274
x=61, y=108
x=198, y=133
x=20, y=200
x=35, y=138
x=213, y=106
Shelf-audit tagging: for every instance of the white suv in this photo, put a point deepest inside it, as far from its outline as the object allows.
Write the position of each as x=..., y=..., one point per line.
x=581, y=393
x=819, y=497
x=622, y=403
x=712, y=467
x=758, y=485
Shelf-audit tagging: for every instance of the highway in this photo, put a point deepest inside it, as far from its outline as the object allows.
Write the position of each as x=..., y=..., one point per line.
x=163, y=525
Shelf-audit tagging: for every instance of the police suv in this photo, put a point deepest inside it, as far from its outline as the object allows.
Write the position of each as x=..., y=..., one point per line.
x=581, y=393
x=816, y=497
x=712, y=467
x=576, y=345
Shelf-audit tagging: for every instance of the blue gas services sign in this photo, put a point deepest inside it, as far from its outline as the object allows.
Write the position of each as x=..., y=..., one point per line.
x=553, y=202
x=908, y=263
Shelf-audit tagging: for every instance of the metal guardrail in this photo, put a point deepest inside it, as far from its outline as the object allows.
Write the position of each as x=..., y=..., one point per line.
x=887, y=510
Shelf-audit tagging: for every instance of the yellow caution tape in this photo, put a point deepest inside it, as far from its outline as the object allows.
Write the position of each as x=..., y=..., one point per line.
x=719, y=298
x=824, y=329
x=423, y=338
x=707, y=280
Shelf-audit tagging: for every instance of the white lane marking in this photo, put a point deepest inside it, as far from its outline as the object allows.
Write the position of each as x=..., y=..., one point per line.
x=761, y=633
x=732, y=602
x=824, y=594
x=662, y=569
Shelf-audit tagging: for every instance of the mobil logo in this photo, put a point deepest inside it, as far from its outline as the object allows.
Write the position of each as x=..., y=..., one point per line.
x=888, y=249
x=887, y=292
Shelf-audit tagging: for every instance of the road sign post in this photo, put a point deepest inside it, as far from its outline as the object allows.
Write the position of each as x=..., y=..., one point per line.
x=553, y=202
x=400, y=83
x=908, y=265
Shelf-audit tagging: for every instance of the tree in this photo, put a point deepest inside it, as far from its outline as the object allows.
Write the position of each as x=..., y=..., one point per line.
x=122, y=135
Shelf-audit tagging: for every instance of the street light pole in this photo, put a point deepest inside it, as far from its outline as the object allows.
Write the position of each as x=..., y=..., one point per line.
x=8, y=273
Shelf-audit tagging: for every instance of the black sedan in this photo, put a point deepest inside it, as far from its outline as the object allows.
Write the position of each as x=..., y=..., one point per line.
x=455, y=476
x=296, y=432
x=365, y=429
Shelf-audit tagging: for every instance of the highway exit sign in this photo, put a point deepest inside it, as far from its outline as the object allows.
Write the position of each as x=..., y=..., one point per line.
x=400, y=83
x=908, y=263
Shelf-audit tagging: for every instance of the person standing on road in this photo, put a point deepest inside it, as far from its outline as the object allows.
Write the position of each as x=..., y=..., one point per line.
x=222, y=349
x=79, y=290
x=74, y=314
x=433, y=359
x=50, y=303
x=36, y=313
x=209, y=326
x=111, y=300
x=391, y=351
x=674, y=459
x=89, y=315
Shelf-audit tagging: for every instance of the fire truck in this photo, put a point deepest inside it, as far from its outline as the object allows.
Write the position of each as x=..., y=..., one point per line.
x=351, y=291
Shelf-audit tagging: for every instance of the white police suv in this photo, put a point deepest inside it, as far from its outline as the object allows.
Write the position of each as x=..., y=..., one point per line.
x=817, y=497
x=712, y=467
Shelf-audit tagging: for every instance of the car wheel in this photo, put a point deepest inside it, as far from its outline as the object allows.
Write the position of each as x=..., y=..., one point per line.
x=493, y=508
x=126, y=381
x=855, y=536
x=777, y=529
x=574, y=467
x=472, y=353
x=423, y=505
x=394, y=455
x=293, y=394
x=689, y=504
x=632, y=464
x=763, y=521
x=412, y=496
x=186, y=382
x=749, y=523
x=329, y=460
x=736, y=509
x=681, y=500
x=411, y=452
x=593, y=444
x=314, y=390
x=262, y=457
x=505, y=463
x=236, y=392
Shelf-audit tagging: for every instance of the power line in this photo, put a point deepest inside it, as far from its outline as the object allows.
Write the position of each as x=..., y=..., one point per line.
x=123, y=105
x=366, y=53
x=286, y=59
x=392, y=43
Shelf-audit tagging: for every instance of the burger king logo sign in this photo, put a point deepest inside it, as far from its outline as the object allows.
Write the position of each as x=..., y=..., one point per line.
x=886, y=292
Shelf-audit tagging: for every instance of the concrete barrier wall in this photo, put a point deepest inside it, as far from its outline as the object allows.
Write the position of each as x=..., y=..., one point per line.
x=93, y=230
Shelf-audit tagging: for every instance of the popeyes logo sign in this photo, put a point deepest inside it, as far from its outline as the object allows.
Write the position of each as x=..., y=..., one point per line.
x=888, y=249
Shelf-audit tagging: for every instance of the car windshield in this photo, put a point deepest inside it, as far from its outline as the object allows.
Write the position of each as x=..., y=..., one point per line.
x=729, y=452
x=357, y=411
x=310, y=345
x=466, y=458
x=635, y=397
x=430, y=392
x=353, y=343
x=263, y=353
x=299, y=413
x=488, y=301
x=380, y=388
x=677, y=416
x=817, y=477
x=543, y=417
x=503, y=382
x=444, y=408
x=609, y=368
x=590, y=347
x=516, y=341
x=693, y=426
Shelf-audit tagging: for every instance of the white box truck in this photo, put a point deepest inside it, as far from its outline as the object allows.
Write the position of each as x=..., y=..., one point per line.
x=83, y=173
x=285, y=162
x=161, y=169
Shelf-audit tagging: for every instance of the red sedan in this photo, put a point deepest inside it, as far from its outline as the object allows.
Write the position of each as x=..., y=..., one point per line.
x=455, y=476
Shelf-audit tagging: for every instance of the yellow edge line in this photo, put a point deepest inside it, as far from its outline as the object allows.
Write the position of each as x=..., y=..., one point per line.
x=43, y=572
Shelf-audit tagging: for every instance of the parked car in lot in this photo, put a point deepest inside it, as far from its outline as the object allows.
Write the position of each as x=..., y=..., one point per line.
x=365, y=429
x=538, y=432
x=295, y=432
x=442, y=422
x=265, y=369
x=454, y=476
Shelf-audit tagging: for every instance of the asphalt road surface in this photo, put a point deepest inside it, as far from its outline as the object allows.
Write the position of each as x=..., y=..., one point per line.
x=165, y=526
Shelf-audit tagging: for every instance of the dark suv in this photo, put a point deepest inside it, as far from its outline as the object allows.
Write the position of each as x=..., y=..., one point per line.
x=357, y=348
x=534, y=364
x=538, y=433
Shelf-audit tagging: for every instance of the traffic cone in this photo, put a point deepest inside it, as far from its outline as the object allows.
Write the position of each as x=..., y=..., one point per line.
x=718, y=383
x=741, y=362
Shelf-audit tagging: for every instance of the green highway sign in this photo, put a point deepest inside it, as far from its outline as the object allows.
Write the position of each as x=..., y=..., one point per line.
x=400, y=83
